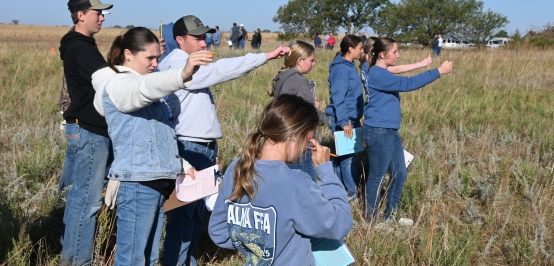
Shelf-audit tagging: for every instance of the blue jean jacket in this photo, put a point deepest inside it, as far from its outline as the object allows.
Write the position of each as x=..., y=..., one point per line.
x=144, y=143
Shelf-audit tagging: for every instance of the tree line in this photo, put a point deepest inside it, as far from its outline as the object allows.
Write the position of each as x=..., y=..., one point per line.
x=416, y=21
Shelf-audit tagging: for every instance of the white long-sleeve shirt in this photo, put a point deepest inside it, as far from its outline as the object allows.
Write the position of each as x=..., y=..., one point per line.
x=194, y=110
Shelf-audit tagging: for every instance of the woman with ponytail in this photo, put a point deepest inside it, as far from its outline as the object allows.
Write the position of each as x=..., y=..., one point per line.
x=382, y=116
x=146, y=160
x=345, y=107
x=290, y=80
x=366, y=57
x=269, y=212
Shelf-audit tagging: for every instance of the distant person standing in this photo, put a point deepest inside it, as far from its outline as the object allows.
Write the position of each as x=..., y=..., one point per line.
x=439, y=47
x=435, y=45
x=363, y=37
x=331, y=41
x=256, y=40
x=88, y=144
x=243, y=36
x=234, y=36
x=326, y=40
x=216, y=37
x=317, y=41
x=209, y=39
x=259, y=38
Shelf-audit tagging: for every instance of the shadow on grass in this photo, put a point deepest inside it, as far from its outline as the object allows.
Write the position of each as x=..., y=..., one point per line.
x=44, y=233
x=10, y=220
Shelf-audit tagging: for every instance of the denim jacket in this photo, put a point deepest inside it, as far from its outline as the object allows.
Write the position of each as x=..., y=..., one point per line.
x=139, y=124
x=144, y=143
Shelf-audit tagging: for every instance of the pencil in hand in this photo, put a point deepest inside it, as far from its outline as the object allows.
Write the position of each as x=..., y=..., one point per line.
x=161, y=30
x=312, y=147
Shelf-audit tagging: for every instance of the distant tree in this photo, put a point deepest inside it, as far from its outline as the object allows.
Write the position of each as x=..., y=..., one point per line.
x=353, y=15
x=387, y=21
x=129, y=26
x=501, y=33
x=420, y=20
x=117, y=27
x=480, y=25
x=303, y=17
x=266, y=31
x=516, y=36
x=15, y=22
x=277, y=31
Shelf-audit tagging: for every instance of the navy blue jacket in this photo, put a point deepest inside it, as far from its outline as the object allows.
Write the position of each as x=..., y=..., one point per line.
x=345, y=88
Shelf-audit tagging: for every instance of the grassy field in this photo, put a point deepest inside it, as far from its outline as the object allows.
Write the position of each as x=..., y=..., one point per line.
x=480, y=188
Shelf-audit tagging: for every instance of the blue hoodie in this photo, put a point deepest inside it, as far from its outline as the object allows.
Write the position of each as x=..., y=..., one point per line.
x=382, y=107
x=275, y=227
x=345, y=88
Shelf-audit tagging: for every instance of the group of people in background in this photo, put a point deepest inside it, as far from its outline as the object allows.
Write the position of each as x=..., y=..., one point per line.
x=238, y=36
x=141, y=124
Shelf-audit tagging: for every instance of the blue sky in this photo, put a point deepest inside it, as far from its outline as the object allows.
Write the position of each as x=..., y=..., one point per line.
x=252, y=13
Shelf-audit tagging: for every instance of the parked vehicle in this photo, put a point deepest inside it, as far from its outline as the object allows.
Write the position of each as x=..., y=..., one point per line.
x=467, y=44
x=497, y=42
x=450, y=43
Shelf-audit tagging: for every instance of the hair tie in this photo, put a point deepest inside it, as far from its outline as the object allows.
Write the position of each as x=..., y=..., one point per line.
x=261, y=133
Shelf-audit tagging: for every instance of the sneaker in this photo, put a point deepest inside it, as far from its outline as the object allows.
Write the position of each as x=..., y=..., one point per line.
x=354, y=199
x=405, y=222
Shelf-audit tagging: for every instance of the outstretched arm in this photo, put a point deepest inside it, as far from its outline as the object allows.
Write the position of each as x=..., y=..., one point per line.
x=406, y=68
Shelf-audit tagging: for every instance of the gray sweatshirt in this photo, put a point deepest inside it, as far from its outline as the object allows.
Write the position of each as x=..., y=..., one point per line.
x=275, y=227
x=194, y=110
x=291, y=81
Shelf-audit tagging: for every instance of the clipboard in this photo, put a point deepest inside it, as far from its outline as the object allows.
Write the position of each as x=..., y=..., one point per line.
x=188, y=190
x=346, y=145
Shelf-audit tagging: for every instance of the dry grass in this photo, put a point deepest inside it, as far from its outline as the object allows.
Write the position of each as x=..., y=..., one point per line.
x=480, y=189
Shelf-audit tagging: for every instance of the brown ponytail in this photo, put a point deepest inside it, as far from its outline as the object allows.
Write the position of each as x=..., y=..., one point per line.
x=285, y=118
x=368, y=51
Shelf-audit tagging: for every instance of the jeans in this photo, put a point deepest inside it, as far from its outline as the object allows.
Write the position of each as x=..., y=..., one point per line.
x=216, y=45
x=305, y=164
x=140, y=220
x=208, y=45
x=68, y=165
x=344, y=168
x=184, y=224
x=385, y=153
x=242, y=43
x=85, y=161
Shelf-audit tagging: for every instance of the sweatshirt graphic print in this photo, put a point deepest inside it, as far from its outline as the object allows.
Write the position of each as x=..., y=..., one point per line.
x=252, y=231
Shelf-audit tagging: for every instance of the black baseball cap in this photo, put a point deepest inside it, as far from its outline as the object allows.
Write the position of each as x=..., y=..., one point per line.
x=79, y=5
x=190, y=25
